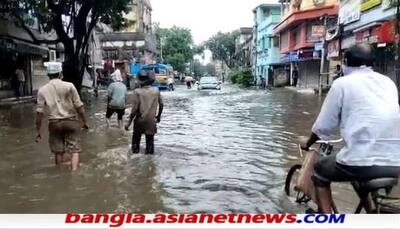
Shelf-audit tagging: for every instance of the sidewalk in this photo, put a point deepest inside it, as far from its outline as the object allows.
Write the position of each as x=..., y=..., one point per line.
x=15, y=101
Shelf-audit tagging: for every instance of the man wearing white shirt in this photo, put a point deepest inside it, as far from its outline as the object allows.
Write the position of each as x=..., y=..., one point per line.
x=364, y=105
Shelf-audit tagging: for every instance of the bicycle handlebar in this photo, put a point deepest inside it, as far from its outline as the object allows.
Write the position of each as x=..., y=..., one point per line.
x=330, y=141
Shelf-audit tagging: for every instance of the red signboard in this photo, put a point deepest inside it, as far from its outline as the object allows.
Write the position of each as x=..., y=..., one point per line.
x=386, y=33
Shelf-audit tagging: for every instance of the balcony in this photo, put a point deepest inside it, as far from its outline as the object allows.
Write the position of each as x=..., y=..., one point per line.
x=297, y=17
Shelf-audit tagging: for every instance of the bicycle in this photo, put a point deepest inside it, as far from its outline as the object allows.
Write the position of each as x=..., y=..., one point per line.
x=372, y=194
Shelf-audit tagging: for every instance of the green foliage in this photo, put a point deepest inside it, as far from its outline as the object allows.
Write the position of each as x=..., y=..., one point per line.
x=198, y=68
x=52, y=15
x=210, y=69
x=203, y=70
x=177, y=46
x=222, y=45
x=241, y=77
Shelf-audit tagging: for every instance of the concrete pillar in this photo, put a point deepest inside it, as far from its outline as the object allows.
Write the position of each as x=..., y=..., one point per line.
x=291, y=73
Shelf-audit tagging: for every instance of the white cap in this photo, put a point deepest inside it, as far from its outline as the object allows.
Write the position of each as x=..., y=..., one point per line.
x=53, y=67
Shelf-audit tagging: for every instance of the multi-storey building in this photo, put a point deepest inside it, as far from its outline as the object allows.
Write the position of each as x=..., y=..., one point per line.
x=243, y=48
x=134, y=44
x=301, y=32
x=371, y=21
x=266, y=44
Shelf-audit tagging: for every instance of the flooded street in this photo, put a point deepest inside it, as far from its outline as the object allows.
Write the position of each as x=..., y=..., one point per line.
x=216, y=151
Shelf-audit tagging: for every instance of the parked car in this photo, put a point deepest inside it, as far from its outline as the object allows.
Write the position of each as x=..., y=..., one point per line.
x=209, y=83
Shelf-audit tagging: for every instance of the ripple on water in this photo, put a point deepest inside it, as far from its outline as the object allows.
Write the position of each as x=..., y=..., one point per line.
x=216, y=151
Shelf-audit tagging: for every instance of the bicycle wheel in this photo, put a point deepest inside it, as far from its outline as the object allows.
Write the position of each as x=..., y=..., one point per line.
x=290, y=185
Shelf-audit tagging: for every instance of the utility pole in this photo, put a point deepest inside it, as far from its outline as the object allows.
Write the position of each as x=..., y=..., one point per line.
x=161, y=49
x=321, y=73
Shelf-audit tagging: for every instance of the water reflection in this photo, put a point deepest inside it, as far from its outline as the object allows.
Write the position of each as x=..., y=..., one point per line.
x=216, y=151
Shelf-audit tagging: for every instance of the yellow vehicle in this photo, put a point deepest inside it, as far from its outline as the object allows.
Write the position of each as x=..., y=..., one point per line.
x=163, y=74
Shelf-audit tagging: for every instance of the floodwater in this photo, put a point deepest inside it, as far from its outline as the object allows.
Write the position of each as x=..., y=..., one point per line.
x=216, y=151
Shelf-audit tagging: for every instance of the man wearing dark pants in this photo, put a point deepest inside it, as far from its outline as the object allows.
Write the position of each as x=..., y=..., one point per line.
x=364, y=105
x=145, y=102
x=117, y=94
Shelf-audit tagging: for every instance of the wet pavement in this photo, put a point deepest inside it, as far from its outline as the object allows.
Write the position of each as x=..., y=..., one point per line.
x=216, y=151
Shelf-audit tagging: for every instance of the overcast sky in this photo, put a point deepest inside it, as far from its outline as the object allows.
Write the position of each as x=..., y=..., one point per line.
x=205, y=17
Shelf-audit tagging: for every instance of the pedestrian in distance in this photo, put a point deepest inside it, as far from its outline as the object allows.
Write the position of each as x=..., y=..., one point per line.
x=20, y=80
x=61, y=103
x=295, y=75
x=116, y=100
x=171, y=83
x=338, y=72
x=145, y=102
x=188, y=81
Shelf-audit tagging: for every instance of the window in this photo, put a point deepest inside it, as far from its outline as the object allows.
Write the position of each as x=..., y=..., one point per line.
x=266, y=13
x=285, y=40
x=275, y=41
x=296, y=35
x=264, y=43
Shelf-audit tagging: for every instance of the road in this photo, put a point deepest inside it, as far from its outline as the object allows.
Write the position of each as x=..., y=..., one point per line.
x=216, y=151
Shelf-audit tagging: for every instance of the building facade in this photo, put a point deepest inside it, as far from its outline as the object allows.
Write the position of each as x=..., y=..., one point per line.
x=243, y=48
x=18, y=51
x=371, y=21
x=301, y=31
x=266, y=52
x=135, y=44
x=139, y=16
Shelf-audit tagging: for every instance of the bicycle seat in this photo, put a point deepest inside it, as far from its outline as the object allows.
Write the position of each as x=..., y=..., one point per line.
x=379, y=183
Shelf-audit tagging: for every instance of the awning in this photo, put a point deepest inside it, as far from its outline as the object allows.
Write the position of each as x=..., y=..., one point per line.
x=299, y=16
x=22, y=47
x=29, y=48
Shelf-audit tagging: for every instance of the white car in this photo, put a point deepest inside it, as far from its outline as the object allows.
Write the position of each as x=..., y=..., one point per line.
x=209, y=83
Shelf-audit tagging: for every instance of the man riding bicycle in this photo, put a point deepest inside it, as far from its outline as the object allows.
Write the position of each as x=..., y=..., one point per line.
x=364, y=105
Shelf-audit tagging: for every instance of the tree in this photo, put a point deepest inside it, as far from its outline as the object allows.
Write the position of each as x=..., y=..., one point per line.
x=223, y=45
x=198, y=68
x=210, y=69
x=72, y=20
x=177, y=46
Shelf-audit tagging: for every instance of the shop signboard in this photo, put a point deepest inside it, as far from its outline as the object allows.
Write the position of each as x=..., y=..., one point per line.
x=369, y=4
x=317, y=31
x=386, y=33
x=387, y=4
x=319, y=2
x=349, y=11
x=318, y=46
x=7, y=45
x=316, y=55
x=333, y=49
x=348, y=42
x=370, y=36
x=293, y=56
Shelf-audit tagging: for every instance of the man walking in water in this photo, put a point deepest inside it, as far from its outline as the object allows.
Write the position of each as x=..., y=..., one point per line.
x=145, y=101
x=117, y=94
x=60, y=100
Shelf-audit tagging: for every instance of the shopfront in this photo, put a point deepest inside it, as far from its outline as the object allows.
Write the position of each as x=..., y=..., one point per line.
x=307, y=62
x=20, y=55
